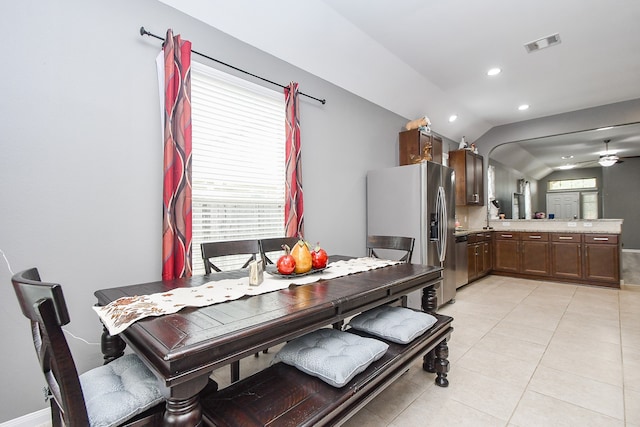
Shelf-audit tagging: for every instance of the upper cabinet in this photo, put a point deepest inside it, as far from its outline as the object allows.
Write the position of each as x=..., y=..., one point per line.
x=416, y=146
x=469, y=168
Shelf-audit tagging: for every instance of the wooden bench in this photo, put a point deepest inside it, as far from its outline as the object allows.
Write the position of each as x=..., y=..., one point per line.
x=281, y=395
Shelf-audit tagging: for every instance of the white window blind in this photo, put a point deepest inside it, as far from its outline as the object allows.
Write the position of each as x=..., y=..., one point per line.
x=238, y=161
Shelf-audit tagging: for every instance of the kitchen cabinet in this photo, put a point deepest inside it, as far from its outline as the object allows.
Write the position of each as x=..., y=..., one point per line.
x=566, y=255
x=524, y=253
x=413, y=143
x=469, y=168
x=479, y=255
x=602, y=258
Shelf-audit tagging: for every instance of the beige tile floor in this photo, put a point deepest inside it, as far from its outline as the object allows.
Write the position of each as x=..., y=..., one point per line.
x=523, y=353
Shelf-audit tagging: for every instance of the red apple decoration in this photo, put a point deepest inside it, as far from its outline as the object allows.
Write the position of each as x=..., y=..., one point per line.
x=286, y=263
x=319, y=257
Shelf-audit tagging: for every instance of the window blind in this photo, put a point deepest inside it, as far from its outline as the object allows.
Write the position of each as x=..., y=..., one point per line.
x=238, y=166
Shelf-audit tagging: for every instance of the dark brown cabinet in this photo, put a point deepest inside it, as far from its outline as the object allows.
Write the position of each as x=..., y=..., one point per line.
x=602, y=258
x=479, y=255
x=469, y=168
x=522, y=253
x=566, y=255
x=416, y=145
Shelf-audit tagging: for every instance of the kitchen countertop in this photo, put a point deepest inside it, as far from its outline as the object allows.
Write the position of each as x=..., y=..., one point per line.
x=609, y=226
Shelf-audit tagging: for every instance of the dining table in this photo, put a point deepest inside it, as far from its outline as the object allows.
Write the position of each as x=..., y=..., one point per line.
x=183, y=348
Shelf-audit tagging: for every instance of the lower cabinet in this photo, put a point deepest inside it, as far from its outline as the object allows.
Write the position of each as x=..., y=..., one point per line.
x=479, y=255
x=576, y=257
x=522, y=253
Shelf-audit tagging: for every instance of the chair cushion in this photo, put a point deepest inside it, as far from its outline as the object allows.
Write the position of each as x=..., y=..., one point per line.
x=397, y=324
x=118, y=391
x=331, y=355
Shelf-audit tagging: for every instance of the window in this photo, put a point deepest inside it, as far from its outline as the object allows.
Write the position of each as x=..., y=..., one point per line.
x=572, y=184
x=238, y=161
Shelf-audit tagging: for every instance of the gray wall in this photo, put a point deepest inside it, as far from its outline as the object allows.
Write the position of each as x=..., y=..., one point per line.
x=622, y=199
x=81, y=164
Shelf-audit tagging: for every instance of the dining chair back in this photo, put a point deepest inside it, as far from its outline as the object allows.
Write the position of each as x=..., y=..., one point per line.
x=209, y=250
x=273, y=247
x=132, y=390
x=394, y=243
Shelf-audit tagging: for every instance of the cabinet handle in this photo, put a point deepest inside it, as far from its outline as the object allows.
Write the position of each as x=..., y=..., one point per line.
x=535, y=237
x=506, y=235
x=605, y=239
x=565, y=238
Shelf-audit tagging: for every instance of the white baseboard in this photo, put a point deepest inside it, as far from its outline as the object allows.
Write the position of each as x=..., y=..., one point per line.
x=41, y=418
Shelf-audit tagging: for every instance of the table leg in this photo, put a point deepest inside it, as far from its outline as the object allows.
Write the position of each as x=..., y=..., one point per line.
x=112, y=346
x=183, y=407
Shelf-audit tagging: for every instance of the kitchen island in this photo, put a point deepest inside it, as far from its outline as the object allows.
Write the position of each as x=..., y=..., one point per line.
x=576, y=251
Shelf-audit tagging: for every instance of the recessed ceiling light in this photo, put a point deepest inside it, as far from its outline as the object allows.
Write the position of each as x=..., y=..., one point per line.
x=494, y=71
x=523, y=107
x=453, y=118
x=566, y=157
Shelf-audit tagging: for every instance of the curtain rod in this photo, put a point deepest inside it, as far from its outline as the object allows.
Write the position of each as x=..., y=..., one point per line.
x=144, y=32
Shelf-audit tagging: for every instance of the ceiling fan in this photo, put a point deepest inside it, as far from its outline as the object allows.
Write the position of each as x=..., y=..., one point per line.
x=607, y=159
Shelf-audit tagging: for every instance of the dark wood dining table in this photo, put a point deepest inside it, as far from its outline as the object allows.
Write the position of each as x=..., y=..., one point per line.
x=184, y=348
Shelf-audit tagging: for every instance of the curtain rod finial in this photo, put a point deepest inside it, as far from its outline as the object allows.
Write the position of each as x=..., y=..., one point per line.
x=142, y=31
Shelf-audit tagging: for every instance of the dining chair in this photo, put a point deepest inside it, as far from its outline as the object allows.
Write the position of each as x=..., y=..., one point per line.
x=273, y=246
x=123, y=392
x=210, y=250
x=250, y=247
x=394, y=243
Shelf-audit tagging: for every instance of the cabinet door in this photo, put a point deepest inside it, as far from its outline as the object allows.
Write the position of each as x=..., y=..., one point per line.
x=487, y=259
x=472, y=261
x=566, y=255
x=535, y=258
x=505, y=253
x=601, y=262
x=478, y=175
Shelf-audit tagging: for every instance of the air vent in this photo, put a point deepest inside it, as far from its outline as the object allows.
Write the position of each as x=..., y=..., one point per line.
x=542, y=43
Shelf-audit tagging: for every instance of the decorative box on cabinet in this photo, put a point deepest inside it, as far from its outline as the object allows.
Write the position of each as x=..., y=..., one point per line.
x=469, y=168
x=413, y=143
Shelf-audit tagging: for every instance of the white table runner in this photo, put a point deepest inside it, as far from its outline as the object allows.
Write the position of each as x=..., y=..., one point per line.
x=121, y=313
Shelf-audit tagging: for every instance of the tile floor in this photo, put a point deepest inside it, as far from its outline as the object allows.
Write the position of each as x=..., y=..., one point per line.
x=523, y=353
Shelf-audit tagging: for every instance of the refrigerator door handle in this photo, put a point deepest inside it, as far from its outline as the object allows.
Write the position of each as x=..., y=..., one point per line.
x=441, y=209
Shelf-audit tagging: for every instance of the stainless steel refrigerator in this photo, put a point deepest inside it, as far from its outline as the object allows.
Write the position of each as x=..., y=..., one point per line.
x=417, y=201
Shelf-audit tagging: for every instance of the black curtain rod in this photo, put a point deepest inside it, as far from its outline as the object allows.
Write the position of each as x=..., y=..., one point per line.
x=144, y=32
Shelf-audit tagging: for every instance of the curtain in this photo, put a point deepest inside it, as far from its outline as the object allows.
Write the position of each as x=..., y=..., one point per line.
x=176, y=232
x=294, y=206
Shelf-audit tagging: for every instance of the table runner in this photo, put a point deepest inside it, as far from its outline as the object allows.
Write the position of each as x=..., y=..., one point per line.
x=123, y=312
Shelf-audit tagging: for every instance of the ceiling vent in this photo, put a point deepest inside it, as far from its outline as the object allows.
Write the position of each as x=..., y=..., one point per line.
x=542, y=43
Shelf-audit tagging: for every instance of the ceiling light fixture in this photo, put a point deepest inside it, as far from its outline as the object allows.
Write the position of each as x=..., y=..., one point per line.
x=567, y=166
x=566, y=157
x=494, y=71
x=542, y=43
x=453, y=118
x=607, y=159
x=523, y=107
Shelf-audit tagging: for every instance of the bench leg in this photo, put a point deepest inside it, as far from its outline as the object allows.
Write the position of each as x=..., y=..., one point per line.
x=235, y=371
x=436, y=362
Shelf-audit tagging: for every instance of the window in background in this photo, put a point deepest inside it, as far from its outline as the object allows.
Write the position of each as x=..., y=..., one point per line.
x=238, y=161
x=572, y=184
x=590, y=205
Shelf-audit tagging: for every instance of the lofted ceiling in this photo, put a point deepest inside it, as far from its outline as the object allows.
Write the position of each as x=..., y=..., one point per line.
x=429, y=57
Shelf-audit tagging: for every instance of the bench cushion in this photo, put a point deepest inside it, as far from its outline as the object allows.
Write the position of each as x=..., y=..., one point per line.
x=331, y=355
x=397, y=324
x=118, y=391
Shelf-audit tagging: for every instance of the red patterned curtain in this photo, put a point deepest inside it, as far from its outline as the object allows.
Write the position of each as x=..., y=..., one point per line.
x=176, y=233
x=294, y=206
